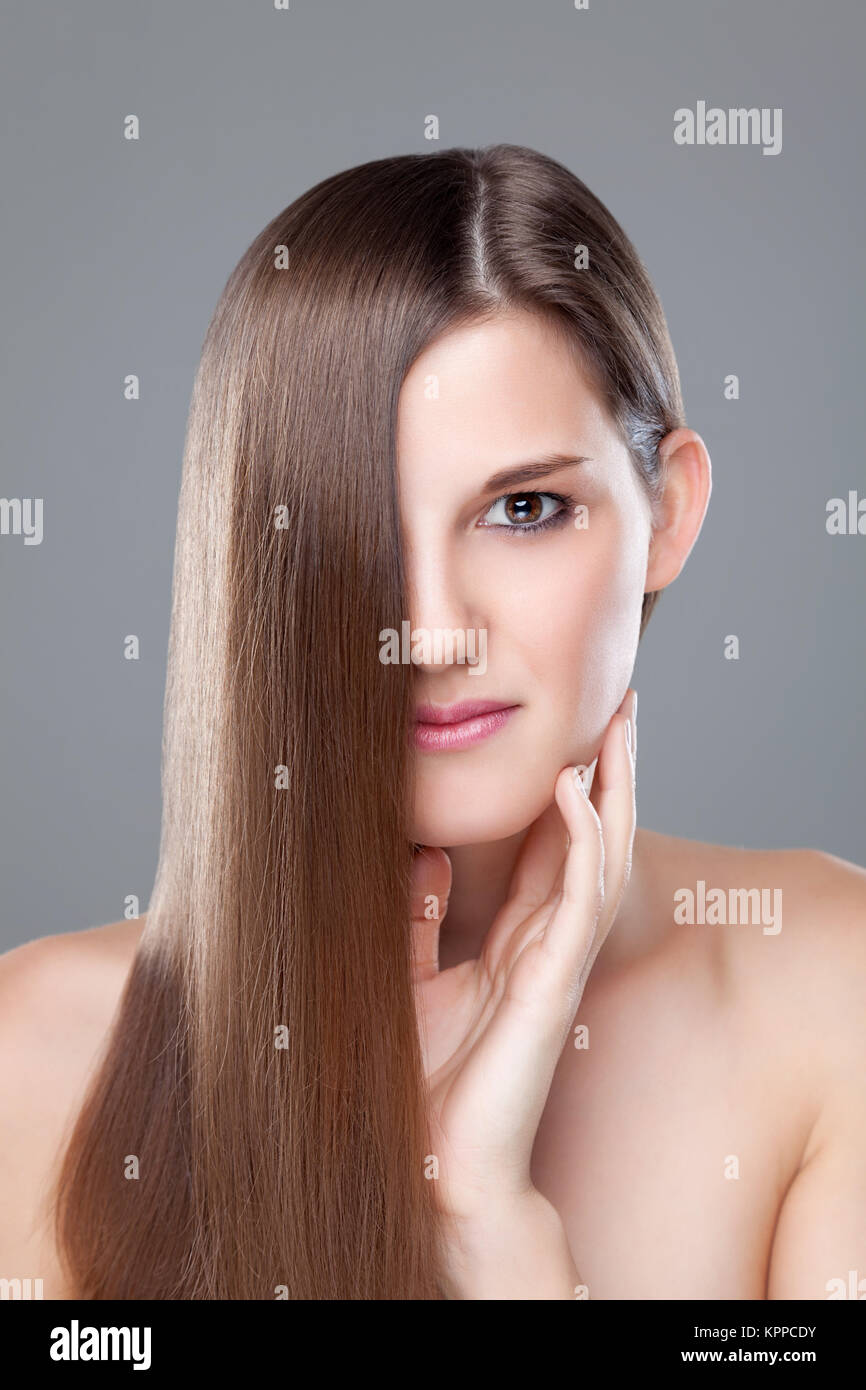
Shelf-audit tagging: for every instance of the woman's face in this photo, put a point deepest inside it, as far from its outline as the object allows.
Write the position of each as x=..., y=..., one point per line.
x=553, y=612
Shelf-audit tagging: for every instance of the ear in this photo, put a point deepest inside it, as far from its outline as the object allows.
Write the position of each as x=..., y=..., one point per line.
x=679, y=512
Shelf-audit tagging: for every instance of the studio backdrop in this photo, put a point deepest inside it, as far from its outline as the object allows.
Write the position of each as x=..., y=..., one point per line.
x=145, y=145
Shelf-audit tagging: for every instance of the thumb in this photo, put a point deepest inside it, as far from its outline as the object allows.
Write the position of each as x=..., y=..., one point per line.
x=430, y=887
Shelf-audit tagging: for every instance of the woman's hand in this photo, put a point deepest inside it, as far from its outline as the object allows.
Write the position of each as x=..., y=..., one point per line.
x=493, y=1029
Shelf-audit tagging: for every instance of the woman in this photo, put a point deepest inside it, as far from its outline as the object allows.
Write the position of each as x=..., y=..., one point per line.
x=437, y=472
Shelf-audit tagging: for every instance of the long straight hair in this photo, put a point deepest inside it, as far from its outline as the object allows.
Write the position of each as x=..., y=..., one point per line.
x=257, y=1126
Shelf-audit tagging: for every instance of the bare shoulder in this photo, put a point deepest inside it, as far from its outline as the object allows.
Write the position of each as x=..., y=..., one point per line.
x=58, y=997
x=770, y=910
x=794, y=972
x=796, y=889
x=58, y=993
x=787, y=929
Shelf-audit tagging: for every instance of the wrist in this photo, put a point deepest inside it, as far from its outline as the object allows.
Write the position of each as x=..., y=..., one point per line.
x=510, y=1250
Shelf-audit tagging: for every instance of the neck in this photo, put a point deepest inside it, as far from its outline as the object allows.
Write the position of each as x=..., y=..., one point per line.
x=479, y=888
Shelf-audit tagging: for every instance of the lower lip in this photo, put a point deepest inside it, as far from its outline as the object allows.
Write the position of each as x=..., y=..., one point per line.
x=441, y=738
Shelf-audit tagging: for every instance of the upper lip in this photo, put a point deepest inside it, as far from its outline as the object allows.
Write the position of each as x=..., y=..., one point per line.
x=457, y=713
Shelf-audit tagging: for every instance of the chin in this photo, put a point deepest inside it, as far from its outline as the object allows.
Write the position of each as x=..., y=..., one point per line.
x=455, y=813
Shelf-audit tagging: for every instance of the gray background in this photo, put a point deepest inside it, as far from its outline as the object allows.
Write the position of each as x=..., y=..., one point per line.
x=114, y=254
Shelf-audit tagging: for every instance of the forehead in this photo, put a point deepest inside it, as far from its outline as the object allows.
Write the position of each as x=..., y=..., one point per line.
x=489, y=391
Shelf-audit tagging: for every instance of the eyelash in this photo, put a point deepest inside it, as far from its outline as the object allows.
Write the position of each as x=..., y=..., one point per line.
x=532, y=527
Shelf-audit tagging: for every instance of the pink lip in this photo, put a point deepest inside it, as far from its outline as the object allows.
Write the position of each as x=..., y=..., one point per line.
x=460, y=725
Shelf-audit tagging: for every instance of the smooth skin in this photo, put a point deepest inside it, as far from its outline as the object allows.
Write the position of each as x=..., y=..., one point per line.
x=707, y=1137
x=664, y=1158
x=493, y=1029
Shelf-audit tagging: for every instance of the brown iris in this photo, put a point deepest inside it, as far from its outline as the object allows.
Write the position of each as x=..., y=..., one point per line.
x=524, y=506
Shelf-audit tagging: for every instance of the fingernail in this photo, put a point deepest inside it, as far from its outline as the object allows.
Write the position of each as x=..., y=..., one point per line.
x=578, y=780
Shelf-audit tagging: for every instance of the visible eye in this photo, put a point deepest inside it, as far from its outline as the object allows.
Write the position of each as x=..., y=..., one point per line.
x=526, y=511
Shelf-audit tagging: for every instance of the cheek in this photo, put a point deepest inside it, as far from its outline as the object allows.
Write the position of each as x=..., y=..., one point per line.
x=578, y=600
x=579, y=623
x=563, y=621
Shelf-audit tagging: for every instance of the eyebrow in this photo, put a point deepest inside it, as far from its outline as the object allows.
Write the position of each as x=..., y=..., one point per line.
x=529, y=471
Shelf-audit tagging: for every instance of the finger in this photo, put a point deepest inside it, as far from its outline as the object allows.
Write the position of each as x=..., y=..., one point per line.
x=428, y=902
x=533, y=886
x=571, y=929
x=614, y=800
x=542, y=990
x=539, y=862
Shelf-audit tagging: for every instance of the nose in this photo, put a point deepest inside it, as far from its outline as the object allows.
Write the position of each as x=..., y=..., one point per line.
x=441, y=601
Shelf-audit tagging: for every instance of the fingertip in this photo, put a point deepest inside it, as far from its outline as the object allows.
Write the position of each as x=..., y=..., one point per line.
x=434, y=855
x=432, y=866
x=570, y=788
x=582, y=777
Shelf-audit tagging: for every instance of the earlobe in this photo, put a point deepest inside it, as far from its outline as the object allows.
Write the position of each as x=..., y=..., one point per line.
x=679, y=513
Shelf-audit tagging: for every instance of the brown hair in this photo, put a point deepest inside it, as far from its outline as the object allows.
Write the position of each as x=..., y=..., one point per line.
x=281, y=894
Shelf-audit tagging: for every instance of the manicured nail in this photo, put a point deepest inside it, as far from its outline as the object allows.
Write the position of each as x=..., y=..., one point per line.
x=578, y=780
